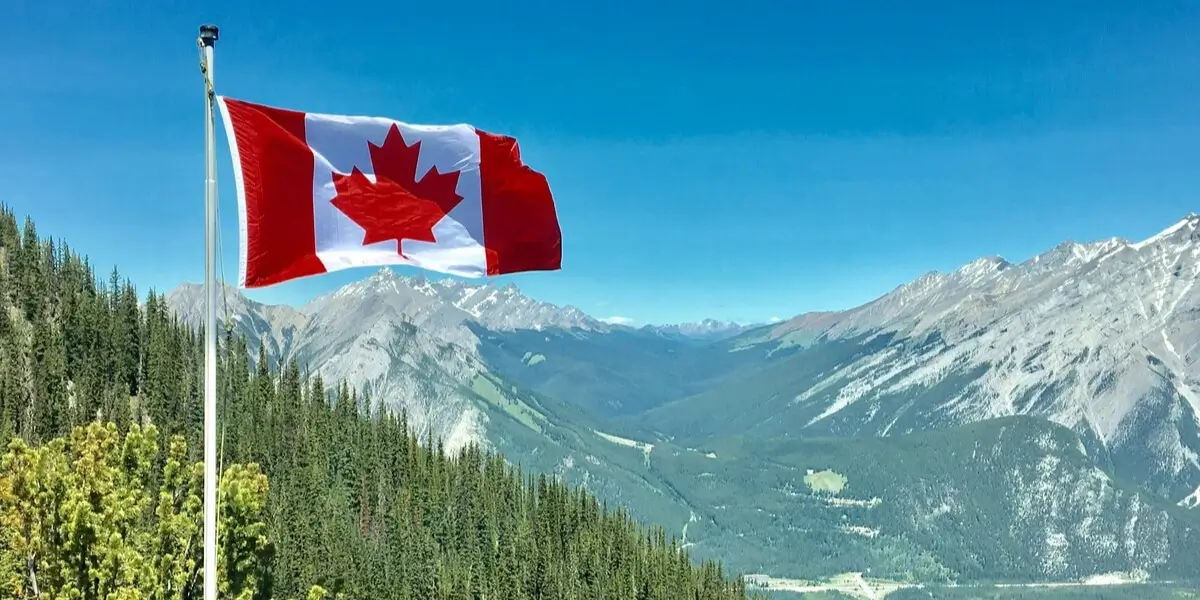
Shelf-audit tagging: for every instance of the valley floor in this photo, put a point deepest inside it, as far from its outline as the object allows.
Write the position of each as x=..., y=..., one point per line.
x=856, y=585
x=850, y=584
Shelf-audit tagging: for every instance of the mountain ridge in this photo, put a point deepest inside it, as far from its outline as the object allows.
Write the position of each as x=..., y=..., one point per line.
x=497, y=307
x=1065, y=253
x=461, y=294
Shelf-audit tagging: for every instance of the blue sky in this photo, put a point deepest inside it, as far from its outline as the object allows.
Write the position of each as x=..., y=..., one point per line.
x=709, y=159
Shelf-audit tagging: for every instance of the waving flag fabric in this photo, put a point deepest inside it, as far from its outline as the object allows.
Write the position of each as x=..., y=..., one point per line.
x=319, y=193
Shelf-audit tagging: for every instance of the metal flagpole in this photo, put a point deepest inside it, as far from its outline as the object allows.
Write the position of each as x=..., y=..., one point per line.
x=208, y=38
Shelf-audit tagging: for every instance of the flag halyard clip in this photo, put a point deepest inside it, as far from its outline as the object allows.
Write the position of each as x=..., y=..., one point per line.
x=208, y=35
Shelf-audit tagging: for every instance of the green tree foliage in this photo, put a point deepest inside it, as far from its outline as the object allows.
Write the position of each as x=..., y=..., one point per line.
x=90, y=516
x=357, y=506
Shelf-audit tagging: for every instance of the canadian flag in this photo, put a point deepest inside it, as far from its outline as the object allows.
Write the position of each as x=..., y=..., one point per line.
x=319, y=193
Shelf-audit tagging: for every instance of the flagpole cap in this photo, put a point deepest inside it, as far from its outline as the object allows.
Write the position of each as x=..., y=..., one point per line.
x=209, y=34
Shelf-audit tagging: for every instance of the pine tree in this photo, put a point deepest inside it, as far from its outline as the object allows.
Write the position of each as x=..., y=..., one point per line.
x=30, y=286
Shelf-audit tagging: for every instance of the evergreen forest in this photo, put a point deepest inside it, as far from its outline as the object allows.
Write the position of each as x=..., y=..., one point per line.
x=323, y=493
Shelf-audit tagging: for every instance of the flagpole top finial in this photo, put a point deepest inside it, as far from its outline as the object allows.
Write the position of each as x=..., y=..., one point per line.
x=209, y=34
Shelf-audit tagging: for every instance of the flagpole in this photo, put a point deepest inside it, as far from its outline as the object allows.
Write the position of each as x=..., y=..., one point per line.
x=208, y=38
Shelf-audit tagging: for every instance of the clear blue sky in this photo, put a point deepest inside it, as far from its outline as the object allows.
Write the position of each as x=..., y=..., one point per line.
x=737, y=160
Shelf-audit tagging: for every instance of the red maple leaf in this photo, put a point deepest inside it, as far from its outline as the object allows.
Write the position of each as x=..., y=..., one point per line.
x=396, y=206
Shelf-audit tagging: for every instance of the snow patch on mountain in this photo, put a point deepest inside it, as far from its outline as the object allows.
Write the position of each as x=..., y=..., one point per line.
x=1192, y=500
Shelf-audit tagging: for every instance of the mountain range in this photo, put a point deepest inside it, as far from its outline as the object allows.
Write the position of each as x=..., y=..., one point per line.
x=1018, y=422
x=1099, y=337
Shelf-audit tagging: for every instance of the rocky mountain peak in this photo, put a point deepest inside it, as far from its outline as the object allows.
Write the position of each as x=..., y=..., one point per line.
x=1181, y=232
x=1071, y=251
x=384, y=274
x=705, y=329
x=445, y=308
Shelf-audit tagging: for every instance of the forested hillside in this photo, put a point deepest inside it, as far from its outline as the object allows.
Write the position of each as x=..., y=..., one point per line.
x=1009, y=500
x=355, y=503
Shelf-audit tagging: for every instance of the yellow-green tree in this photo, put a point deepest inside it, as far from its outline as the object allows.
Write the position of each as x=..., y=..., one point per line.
x=90, y=516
